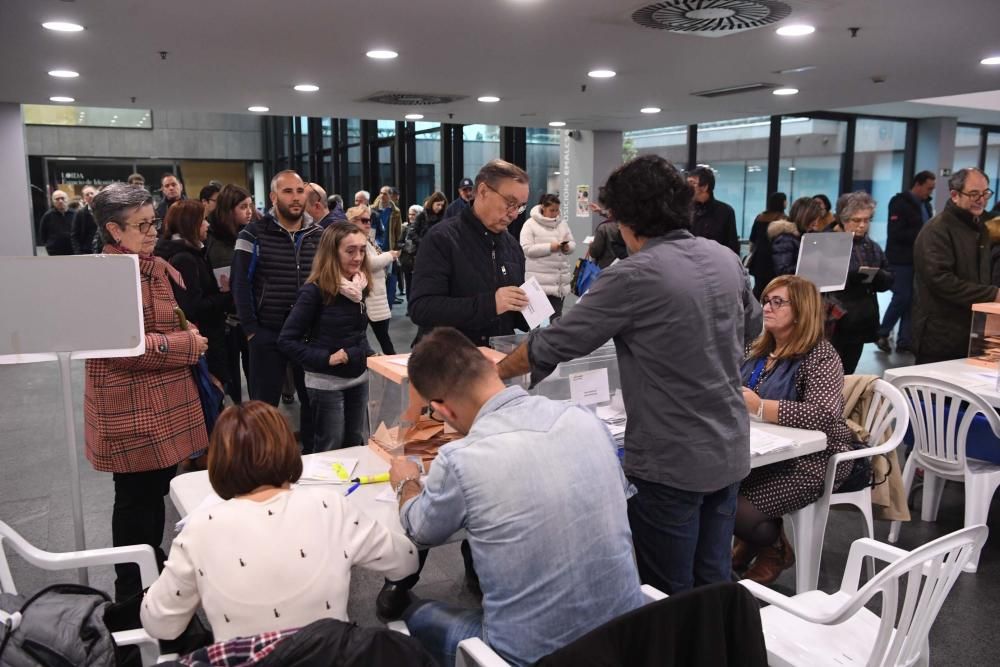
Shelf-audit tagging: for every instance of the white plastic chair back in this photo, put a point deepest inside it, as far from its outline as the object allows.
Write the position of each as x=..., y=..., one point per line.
x=888, y=415
x=939, y=437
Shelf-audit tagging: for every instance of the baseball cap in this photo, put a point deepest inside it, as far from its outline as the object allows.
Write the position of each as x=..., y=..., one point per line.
x=465, y=183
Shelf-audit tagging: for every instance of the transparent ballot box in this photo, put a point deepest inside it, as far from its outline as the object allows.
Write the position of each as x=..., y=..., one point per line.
x=984, y=338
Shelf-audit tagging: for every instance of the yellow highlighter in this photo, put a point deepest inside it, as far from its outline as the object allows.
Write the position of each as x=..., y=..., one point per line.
x=342, y=473
x=372, y=479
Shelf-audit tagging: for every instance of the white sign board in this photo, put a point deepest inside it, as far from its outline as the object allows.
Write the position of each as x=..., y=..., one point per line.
x=824, y=259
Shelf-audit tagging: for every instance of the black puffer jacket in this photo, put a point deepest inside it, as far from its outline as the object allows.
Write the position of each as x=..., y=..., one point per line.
x=200, y=299
x=314, y=330
x=270, y=264
x=459, y=268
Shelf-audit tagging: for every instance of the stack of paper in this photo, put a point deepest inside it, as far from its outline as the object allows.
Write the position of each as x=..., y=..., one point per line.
x=762, y=442
x=327, y=470
x=615, y=419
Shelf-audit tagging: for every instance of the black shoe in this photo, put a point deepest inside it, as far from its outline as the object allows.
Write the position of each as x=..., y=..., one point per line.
x=396, y=302
x=391, y=602
x=883, y=344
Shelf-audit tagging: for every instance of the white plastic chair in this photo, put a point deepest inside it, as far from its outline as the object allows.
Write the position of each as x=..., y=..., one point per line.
x=140, y=554
x=818, y=629
x=885, y=422
x=939, y=448
x=474, y=652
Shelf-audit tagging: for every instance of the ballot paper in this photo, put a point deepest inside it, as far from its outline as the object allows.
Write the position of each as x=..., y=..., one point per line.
x=327, y=470
x=590, y=387
x=538, y=309
x=219, y=272
x=762, y=442
x=588, y=240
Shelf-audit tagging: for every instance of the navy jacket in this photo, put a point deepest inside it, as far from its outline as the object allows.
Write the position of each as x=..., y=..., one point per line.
x=314, y=330
x=905, y=222
x=455, y=207
x=458, y=270
x=269, y=266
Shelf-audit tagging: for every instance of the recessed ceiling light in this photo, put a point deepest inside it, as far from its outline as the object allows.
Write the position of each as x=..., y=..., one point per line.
x=307, y=88
x=62, y=26
x=785, y=91
x=650, y=110
x=414, y=116
x=601, y=73
x=992, y=60
x=64, y=73
x=382, y=54
x=259, y=109
x=796, y=30
x=488, y=98
x=791, y=169
x=557, y=123
x=61, y=98
x=557, y=173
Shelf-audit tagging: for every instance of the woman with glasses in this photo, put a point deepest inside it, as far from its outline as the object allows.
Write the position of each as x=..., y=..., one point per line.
x=378, y=262
x=868, y=274
x=546, y=241
x=142, y=414
x=325, y=334
x=792, y=377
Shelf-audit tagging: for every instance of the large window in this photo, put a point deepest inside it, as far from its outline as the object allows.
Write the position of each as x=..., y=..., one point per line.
x=61, y=114
x=966, y=147
x=878, y=166
x=428, y=142
x=992, y=166
x=542, y=153
x=810, y=160
x=667, y=142
x=737, y=151
x=481, y=143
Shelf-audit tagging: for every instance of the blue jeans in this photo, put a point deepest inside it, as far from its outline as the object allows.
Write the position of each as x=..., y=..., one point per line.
x=900, y=307
x=682, y=538
x=440, y=626
x=391, y=278
x=339, y=417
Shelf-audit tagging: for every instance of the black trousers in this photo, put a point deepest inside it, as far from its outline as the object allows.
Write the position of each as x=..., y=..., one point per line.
x=267, y=375
x=138, y=518
x=237, y=359
x=850, y=353
x=381, y=330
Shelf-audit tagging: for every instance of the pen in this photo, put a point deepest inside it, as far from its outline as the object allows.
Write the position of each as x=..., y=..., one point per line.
x=351, y=490
x=372, y=479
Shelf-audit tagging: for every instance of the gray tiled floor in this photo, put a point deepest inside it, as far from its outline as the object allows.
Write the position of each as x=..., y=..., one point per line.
x=34, y=499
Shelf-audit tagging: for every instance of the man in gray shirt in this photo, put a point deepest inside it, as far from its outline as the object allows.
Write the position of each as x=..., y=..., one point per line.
x=680, y=311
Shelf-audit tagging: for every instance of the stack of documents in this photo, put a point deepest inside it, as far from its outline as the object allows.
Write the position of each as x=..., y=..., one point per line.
x=762, y=442
x=615, y=419
x=327, y=470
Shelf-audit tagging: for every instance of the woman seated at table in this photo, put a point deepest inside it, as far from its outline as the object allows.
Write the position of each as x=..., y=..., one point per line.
x=271, y=557
x=791, y=377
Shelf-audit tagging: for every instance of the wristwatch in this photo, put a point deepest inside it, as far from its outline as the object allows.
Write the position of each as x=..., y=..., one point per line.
x=399, y=489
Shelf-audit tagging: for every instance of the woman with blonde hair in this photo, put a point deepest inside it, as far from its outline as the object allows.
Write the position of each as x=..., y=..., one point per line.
x=326, y=334
x=792, y=377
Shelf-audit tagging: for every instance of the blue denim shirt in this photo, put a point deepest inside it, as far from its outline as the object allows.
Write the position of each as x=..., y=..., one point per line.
x=538, y=488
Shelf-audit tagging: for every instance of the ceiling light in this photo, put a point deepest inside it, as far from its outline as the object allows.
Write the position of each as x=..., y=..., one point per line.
x=557, y=123
x=992, y=60
x=557, y=173
x=382, y=54
x=62, y=26
x=488, y=98
x=307, y=88
x=791, y=169
x=64, y=73
x=796, y=70
x=785, y=91
x=796, y=30
x=650, y=110
x=259, y=109
x=601, y=73
x=414, y=116
x=61, y=98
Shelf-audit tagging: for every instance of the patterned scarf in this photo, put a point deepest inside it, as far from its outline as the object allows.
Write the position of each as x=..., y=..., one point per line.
x=354, y=289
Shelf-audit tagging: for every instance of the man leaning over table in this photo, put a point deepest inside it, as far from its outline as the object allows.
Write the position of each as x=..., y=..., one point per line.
x=537, y=487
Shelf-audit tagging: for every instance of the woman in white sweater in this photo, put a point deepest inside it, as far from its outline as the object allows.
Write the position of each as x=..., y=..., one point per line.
x=377, y=303
x=546, y=240
x=271, y=557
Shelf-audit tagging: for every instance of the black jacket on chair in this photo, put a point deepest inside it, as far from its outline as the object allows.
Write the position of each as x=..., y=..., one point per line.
x=711, y=625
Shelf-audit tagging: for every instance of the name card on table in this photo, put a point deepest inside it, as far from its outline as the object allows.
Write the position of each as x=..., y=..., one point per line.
x=590, y=387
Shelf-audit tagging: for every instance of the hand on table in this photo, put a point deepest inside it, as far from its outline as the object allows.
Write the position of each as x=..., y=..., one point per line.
x=402, y=468
x=752, y=400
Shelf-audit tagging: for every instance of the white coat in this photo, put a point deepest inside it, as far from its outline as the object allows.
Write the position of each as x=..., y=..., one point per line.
x=551, y=269
x=377, y=303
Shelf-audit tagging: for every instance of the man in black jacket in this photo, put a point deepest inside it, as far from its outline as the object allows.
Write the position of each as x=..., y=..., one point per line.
x=272, y=260
x=908, y=211
x=84, y=226
x=710, y=217
x=54, y=230
x=172, y=190
x=469, y=270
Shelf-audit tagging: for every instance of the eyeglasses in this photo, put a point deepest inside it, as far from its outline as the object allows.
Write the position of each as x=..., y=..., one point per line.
x=363, y=219
x=432, y=413
x=145, y=225
x=514, y=207
x=776, y=302
x=976, y=194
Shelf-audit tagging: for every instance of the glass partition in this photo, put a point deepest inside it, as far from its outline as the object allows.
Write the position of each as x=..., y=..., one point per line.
x=737, y=151
x=811, y=155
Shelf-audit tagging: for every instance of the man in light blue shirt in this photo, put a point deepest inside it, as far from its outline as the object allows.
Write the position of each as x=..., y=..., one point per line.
x=537, y=486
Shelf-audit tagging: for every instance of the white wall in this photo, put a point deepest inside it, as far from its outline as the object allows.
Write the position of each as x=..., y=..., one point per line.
x=15, y=224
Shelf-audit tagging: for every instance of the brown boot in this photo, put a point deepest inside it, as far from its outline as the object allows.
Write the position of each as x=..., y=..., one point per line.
x=771, y=562
x=743, y=554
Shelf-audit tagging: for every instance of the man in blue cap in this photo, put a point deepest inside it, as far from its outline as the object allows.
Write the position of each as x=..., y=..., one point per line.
x=466, y=188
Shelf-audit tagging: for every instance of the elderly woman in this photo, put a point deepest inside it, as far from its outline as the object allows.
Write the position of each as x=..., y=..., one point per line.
x=271, y=557
x=868, y=274
x=792, y=377
x=378, y=262
x=142, y=414
x=407, y=247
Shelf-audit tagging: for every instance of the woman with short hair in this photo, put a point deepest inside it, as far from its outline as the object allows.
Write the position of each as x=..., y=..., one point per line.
x=376, y=302
x=272, y=556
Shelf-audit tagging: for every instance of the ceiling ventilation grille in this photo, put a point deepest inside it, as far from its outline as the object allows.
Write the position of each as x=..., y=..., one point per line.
x=735, y=90
x=411, y=99
x=710, y=18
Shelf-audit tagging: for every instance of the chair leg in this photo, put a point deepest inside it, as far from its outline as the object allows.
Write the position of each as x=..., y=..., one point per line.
x=909, y=471
x=933, y=490
x=809, y=528
x=866, y=512
x=979, y=492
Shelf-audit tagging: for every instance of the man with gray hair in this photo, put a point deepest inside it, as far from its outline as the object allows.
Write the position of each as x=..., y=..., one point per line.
x=271, y=261
x=362, y=197
x=84, y=226
x=951, y=261
x=56, y=226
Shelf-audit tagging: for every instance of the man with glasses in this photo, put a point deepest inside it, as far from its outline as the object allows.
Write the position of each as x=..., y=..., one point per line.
x=209, y=197
x=951, y=261
x=56, y=226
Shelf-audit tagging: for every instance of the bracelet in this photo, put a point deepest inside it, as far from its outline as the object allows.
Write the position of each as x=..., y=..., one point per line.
x=760, y=411
x=399, y=489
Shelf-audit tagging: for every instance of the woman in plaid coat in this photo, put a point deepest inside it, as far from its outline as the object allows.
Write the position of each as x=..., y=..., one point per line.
x=143, y=415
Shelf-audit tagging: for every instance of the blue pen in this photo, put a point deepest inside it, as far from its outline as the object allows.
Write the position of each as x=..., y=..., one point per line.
x=351, y=490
